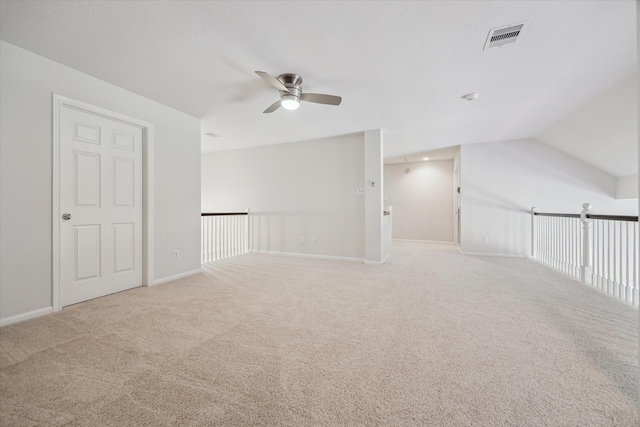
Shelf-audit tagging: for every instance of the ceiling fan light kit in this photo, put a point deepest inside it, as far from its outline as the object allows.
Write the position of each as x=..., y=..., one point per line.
x=290, y=87
x=289, y=102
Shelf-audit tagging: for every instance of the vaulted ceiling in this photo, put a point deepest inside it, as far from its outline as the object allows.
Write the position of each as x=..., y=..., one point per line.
x=399, y=66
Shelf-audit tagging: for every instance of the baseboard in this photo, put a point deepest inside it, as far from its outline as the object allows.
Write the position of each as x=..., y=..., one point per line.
x=377, y=262
x=492, y=254
x=423, y=241
x=26, y=316
x=310, y=256
x=176, y=277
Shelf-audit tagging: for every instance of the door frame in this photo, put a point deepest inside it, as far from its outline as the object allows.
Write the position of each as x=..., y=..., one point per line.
x=59, y=102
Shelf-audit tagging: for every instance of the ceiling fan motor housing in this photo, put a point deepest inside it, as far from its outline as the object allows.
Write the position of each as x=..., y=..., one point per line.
x=291, y=82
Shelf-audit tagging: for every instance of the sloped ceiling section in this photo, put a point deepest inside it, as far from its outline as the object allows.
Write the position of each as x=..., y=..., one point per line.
x=602, y=132
x=400, y=66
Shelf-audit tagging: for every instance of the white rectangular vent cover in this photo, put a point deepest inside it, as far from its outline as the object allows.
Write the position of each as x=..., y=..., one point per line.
x=503, y=35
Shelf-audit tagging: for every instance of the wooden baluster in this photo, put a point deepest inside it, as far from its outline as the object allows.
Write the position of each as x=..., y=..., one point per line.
x=206, y=225
x=235, y=236
x=205, y=239
x=202, y=252
x=246, y=232
x=547, y=239
x=628, y=261
x=567, y=244
x=534, y=234
x=610, y=257
x=207, y=248
x=635, y=264
x=217, y=237
x=594, y=273
x=226, y=236
x=554, y=236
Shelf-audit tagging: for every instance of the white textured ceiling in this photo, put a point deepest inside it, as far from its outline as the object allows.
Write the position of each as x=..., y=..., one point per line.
x=399, y=66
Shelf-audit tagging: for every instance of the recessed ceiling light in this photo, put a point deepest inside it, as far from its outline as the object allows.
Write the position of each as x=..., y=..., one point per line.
x=470, y=96
x=425, y=158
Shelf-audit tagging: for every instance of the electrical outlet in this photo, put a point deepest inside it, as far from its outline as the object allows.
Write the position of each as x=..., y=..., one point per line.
x=485, y=239
x=176, y=254
x=302, y=239
x=313, y=240
x=408, y=230
x=360, y=191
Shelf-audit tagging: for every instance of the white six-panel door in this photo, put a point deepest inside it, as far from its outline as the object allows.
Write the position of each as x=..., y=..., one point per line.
x=101, y=205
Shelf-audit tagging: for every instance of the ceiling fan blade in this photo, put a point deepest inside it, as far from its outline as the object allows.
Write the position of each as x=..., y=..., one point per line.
x=273, y=107
x=272, y=81
x=320, y=98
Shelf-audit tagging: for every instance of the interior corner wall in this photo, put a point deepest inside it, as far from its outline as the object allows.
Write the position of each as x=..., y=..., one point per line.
x=27, y=82
x=422, y=200
x=502, y=181
x=300, y=189
x=627, y=187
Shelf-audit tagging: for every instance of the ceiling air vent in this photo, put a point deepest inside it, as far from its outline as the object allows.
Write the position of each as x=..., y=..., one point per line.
x=503, y=35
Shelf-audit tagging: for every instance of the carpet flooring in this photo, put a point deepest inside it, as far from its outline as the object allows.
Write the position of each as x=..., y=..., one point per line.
x=431, y=338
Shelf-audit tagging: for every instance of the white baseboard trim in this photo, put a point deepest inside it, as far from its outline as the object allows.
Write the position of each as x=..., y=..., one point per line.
x=176, y=277
x=377, y=262
x=311, y=256
x=423, y=241
x=492, y=254
x=26, y=316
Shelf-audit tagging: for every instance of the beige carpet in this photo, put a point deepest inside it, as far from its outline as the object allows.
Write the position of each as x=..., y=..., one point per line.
x=431, y=338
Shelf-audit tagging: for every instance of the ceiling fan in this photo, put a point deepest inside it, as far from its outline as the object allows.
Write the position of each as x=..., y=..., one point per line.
x=291, y=93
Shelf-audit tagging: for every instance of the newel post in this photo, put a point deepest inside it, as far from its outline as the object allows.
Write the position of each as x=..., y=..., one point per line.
x=534, y=233
x=587, y=236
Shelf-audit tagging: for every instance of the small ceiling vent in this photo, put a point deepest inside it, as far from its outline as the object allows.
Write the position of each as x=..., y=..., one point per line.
x=503, y=35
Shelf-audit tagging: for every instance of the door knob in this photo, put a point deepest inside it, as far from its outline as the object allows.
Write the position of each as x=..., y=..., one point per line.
x=66, y=216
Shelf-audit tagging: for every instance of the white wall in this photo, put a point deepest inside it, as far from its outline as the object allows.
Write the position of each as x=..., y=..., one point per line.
x=374, y=246
x=297, y=189
x=422, y=200
x=27, y=82
x=627, y=187
x=502, y=181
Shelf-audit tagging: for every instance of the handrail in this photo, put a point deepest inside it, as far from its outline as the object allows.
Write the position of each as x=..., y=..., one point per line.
x=591, y=216
x=614, y=217
x=557, y=214
x=223, y=213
